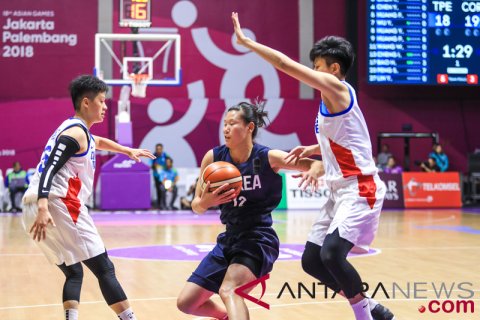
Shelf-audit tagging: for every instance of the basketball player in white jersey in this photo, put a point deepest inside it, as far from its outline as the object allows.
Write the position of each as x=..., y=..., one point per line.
x=350, y=217
x=54, y=204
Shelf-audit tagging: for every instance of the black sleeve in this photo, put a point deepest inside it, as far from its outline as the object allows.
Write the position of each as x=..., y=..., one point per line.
x=64, y=149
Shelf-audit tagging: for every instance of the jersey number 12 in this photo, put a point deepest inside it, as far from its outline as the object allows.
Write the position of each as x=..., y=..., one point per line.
x=238, y=202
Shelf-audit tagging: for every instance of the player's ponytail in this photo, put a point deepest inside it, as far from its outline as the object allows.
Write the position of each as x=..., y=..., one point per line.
x=252, y=113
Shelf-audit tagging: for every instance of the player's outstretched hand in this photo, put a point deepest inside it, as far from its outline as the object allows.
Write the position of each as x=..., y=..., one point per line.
x=298, y=153
x=241, y=38
x=310, y=177
x=136, y=154
x=307, y=180
x=44, y=218
x=219, y=196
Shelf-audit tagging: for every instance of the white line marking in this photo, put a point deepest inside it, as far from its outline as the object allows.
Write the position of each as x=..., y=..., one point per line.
x=20, y=254
x=280, y=305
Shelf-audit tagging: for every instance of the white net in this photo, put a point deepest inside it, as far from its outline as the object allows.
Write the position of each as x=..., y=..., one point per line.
x=139, y=85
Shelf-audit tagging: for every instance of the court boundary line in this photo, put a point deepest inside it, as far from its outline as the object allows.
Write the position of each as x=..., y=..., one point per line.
x=280, y=305
x=373, y=254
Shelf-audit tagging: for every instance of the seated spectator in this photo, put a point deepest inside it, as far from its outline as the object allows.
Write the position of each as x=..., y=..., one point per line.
x=440, y=157
x=376, y=164
x=158, y=164
x=186, y=202
x=16, y=182
x=392, y=166
x=382, y=157
x=168, y=178
x=430, y=165
x=161, y=156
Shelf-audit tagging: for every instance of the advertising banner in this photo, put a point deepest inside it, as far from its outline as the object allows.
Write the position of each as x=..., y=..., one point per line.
x=304, y=199
x=394, y=195
x=45, y=44
x=432, y=190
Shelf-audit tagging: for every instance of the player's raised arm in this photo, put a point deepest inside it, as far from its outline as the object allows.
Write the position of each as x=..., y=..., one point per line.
x=311, y=169
x=109, y=145
x=301, y=152
x=327, y=83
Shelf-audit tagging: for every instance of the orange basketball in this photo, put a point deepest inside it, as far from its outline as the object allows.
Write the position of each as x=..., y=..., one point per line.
x=219, y=173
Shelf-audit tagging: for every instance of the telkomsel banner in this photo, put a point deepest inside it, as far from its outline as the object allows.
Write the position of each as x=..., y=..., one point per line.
x=431, y=189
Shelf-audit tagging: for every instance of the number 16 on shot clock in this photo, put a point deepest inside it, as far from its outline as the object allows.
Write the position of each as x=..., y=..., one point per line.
x=135, y=13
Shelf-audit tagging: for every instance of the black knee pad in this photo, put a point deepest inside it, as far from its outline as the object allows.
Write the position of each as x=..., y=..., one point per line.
x=102, y=267
x=73, y=281
x=313, y=265
x=311, y=258
x=73, y=271
x=334, y=256
x=335, y=249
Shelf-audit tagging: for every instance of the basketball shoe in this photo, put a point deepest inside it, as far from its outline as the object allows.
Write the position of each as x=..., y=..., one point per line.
x=382, y=313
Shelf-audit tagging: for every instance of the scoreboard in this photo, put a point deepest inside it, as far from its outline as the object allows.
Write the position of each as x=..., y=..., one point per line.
x=426, y=42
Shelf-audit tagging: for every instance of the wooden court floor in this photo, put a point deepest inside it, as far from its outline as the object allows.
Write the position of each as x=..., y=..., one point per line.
x=417, y=251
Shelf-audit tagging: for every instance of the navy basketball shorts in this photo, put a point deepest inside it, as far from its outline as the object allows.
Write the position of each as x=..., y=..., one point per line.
x=258, y=244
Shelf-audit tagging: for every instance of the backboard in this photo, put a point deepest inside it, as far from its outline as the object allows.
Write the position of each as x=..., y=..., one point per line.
x=118, y=56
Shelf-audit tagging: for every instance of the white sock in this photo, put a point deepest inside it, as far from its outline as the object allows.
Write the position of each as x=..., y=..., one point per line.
x=71, y=314
x=361, y=310
x=372, y=303
x=127, y=315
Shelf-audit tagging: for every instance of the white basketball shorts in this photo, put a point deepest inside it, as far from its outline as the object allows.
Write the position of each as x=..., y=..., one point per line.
x=356, y=218
x=68, y=242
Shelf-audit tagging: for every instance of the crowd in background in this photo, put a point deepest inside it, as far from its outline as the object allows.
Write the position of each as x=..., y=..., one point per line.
x=14, y=186
x=436, y=161
x=165, y=177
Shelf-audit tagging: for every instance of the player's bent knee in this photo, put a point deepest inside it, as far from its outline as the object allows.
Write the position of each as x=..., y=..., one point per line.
x=182, y=305
x=189, y=302
x=73, y=281
x=335, y=250
x=226, y=292
x=311, y=258
x=101, y=265
x=333, y=253
x=330, y=257
x=74, y=271
x=185, y=305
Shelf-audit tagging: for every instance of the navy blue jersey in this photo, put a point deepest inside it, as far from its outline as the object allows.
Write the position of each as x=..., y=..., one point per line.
x=261, y=191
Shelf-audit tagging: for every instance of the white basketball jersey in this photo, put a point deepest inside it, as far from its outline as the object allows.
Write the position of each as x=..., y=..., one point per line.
x=74, y=181
x=344, y=142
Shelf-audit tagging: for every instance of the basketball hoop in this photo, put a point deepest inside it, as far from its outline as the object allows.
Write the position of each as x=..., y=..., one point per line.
x=139, y=84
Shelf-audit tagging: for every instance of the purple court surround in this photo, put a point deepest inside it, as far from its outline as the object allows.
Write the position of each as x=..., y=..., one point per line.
x=196, y=252
x=127, y=218
x=181, y=252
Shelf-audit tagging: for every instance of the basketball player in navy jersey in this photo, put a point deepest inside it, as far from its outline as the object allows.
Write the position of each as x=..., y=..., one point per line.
x=350, y=217
x=54, y=204
x=250, y=246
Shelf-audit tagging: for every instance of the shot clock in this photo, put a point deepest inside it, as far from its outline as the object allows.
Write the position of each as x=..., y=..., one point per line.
x=429, y=42
x=135, y=13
